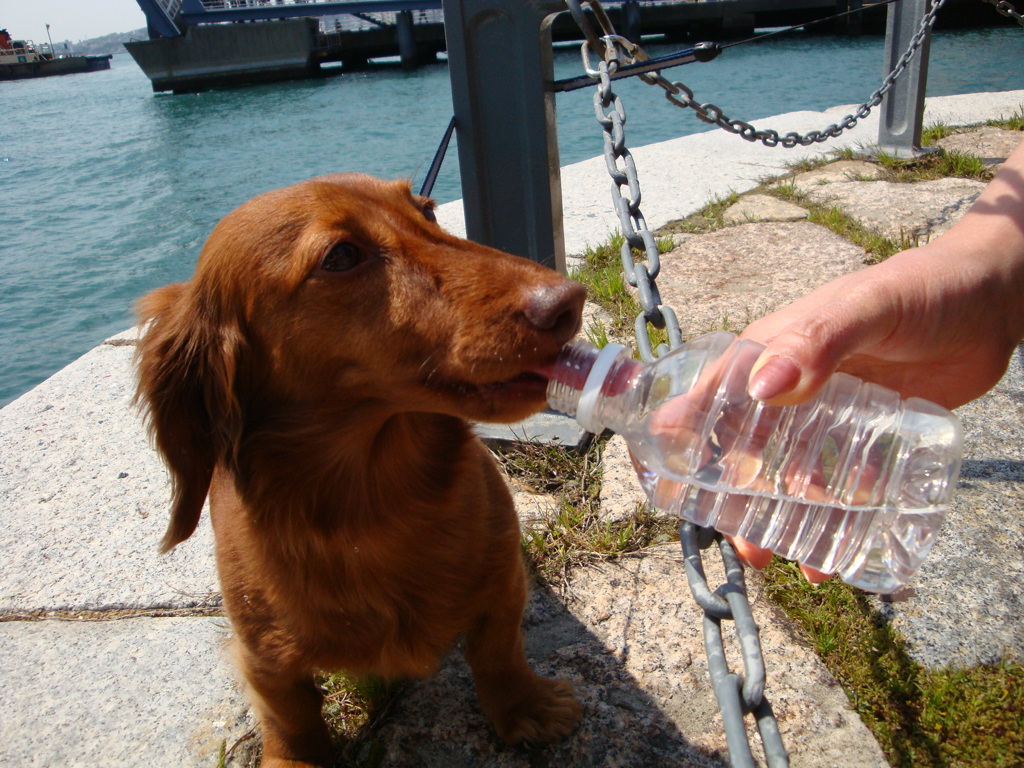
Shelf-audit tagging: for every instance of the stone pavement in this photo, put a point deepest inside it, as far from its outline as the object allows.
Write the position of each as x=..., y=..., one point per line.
x=109, y=654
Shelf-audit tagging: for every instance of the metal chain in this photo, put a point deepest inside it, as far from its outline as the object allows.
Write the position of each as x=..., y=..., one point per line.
x=1007, y=10
x=611, y=115
x=679, y=94
x=737, y=695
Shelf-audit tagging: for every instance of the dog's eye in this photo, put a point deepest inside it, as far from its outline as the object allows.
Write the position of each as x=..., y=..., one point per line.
x=426, y=206
x=341, y=258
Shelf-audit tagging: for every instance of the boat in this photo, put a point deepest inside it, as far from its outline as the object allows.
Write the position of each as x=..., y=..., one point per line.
x=22, y=58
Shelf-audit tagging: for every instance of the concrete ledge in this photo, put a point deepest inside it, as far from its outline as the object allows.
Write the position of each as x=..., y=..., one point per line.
x=680, y=176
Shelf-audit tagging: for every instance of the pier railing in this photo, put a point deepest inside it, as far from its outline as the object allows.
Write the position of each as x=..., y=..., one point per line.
x=507, y=136
x=358, y=22
x=162, y=17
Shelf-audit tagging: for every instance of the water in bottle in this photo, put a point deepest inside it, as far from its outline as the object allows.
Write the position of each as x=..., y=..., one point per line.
x=854, y=482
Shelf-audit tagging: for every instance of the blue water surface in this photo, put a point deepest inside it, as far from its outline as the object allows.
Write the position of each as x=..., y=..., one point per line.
x=108, y=191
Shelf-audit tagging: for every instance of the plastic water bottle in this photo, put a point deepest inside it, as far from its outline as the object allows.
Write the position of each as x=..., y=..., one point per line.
x=855, y=482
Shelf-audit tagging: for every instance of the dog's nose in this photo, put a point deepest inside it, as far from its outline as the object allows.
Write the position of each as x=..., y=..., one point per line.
x=557, y=309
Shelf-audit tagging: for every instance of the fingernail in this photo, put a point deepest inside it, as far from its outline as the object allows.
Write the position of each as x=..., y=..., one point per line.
x=775, y=376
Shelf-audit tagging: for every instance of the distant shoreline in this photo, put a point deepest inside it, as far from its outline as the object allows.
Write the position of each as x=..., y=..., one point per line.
x=98, y=46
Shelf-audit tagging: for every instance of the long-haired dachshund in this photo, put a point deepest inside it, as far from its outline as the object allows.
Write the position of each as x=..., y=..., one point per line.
x=314, y=377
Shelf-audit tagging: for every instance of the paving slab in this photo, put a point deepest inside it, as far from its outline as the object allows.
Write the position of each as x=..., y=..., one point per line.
x=914, y=212
x=965, y=605
x=993, y=145
x=844, y=170
x=753, y=207
x=729, y=278
x=84, y=499
x=621, y=494
x=134, y=692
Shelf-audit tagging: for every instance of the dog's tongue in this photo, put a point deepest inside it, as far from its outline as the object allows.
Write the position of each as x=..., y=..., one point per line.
x=544, y=371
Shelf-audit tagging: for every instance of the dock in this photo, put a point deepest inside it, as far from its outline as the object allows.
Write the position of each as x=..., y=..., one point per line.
x=199, y=44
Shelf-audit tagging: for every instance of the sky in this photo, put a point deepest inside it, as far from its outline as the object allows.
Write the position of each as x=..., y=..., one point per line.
x=69, y=19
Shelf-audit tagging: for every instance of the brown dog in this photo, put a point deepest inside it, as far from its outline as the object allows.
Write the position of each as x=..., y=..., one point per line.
x=314, y=377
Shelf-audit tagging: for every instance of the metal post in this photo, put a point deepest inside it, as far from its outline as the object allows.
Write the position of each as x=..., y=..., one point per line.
x=500, y=64
x=854, y=23
x=631, y=24
x=406, y=39
x=902, y=109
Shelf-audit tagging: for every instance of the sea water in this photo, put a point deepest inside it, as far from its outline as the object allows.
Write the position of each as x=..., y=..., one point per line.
x=108, y=190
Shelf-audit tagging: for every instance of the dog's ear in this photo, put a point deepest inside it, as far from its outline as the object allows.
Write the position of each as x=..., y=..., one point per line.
x=186, y=363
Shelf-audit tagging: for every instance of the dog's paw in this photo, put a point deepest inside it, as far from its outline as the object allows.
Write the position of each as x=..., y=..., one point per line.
x=549, y=712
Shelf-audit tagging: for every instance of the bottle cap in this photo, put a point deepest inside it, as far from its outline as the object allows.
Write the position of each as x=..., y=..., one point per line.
x=586, y=410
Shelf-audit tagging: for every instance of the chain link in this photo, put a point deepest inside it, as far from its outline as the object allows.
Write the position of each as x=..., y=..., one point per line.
x=737, y=696
x=1007, y=10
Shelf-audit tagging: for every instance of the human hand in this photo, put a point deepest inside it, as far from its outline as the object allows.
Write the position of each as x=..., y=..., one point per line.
x=939, y=322
x=930, y=322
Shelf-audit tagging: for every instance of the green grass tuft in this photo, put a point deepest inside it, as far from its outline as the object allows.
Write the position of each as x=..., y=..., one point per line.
x=963, y=165
x=602, y=274
x=935, y=133
x=808, y=164
x=574, y=534
x=878, y=246
x=707, y=219
x=573, y=538
x=950, y=718
x=1013, y=123
x=935, y=165
x=354, y=709
x=597, y=334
